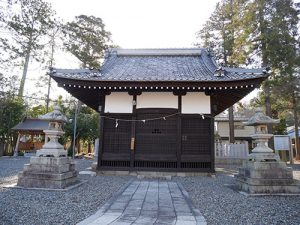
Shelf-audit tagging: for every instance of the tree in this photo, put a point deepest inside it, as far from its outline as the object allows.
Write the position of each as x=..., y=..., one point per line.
x=276, y=41
x=261, y=32
x=219, y=33
x=50, y=48
x=27, y=21
x=87, y=39
x=87, y=126
x=269, y=32
x=11, y=111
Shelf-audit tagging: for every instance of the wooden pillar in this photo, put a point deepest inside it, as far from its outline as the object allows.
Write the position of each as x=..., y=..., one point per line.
x=101, y=130
x=179, y=134
x=133, y=136
x=212, y=144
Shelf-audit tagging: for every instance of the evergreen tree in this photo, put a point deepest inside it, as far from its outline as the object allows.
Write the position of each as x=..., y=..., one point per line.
x=219, y=33
x=87, y=39
x=27, y=22
x=269, y=33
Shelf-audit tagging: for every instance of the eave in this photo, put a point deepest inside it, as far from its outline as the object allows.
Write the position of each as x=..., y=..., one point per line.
x=223, y=93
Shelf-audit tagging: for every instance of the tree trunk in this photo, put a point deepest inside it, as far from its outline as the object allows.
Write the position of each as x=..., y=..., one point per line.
x=17, y=145
x=269, y=113
x=48, y=95
x=297, y=144
x=89, y=147
x=25, y=69
x=51, y=65
x=267, y=90
x=78, y=145
x=231, y=125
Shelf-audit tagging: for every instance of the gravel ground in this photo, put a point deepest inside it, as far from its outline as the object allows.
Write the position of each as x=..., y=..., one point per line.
x=219, y=203
x=19, y=206
x=222, y=205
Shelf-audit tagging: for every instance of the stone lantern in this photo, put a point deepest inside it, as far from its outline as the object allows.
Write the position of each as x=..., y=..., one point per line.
x=261, y=152
x=263, y=172
x=50, y=168
x=53, y=148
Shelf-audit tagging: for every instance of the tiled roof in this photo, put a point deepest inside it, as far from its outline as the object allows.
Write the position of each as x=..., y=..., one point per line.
x=29, y=124
x=193, y=64
x=226, y=119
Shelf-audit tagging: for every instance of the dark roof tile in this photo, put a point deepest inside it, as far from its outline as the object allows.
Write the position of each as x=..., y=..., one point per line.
x=159, y=64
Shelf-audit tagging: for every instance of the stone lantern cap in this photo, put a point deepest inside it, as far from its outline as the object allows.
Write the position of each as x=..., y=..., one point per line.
x=56, y=115
x=259, y=118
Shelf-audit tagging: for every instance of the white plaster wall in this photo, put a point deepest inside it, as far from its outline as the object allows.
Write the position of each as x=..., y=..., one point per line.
x=196, y=102
x=157, y=100
x=223, y=129
x=118, y=102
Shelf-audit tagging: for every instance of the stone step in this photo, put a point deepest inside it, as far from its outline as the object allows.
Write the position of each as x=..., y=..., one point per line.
x=46, y=183
x=50, y=160
x=47, y=176
x=267, y=174
x=267, y=182
x=267, y=189
x=49, y=168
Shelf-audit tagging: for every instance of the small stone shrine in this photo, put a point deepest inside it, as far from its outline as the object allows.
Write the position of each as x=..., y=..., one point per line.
x=263, y=172
x=50, y=168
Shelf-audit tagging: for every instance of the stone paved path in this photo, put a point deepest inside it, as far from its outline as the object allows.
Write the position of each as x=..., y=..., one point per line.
x=148, y=202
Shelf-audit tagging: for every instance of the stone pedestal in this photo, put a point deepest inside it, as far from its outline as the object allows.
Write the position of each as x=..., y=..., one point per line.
x=48, y=172
x=266, y=177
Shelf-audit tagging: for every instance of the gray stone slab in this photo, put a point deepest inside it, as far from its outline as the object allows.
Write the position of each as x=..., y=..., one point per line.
x=149, y=202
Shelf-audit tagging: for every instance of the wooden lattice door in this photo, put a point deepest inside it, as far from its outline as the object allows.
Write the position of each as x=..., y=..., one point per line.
x=156, y=140
x=116, y=142
x=196, y=142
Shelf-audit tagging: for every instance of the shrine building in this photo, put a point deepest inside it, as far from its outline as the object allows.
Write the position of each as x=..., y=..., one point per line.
x=157, y=106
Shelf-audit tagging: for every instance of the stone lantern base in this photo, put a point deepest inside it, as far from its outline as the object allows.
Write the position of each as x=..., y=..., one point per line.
x=48, y=172
x=266, y=177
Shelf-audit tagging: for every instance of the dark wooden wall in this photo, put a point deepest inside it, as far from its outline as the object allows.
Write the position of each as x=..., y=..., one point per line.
x=178, y=143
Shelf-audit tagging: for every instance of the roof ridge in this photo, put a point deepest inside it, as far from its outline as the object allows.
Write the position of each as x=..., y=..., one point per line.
x=156, y=51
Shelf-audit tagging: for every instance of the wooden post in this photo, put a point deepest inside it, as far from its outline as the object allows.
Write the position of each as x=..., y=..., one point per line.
x=179, y=134
x=101, y=129
x=133, y=136
x=212, y=144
